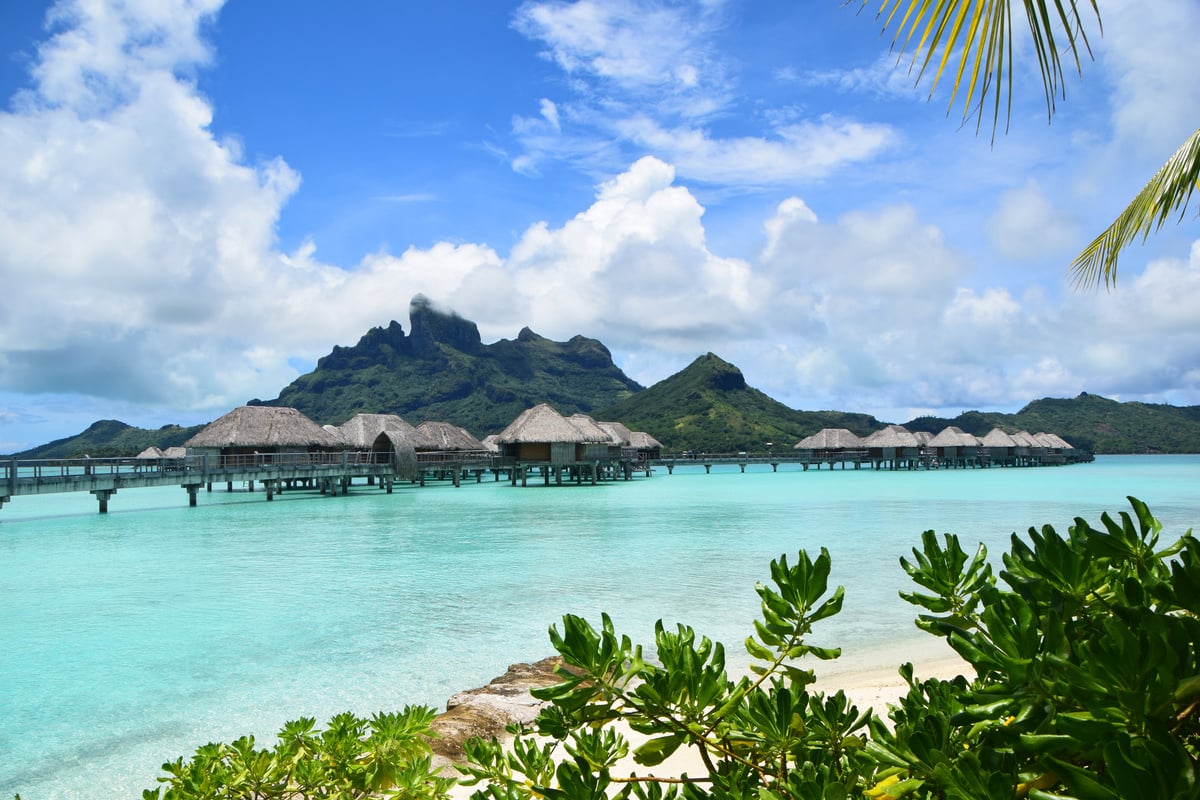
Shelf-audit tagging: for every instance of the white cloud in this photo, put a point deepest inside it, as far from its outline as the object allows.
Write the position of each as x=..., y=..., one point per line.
x=1157, y=102
x=1027, y=226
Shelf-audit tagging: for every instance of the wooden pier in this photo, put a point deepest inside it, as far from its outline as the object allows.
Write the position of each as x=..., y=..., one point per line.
x=330, y=473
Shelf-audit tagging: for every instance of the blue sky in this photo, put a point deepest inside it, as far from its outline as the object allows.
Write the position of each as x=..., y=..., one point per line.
x=199, y=199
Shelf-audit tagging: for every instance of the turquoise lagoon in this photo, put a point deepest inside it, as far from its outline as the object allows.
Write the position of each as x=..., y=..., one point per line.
x=129, y=639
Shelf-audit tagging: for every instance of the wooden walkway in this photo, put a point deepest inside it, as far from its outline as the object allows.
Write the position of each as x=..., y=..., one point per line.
x=329, y=473
x=334, y=473
x=879, y=461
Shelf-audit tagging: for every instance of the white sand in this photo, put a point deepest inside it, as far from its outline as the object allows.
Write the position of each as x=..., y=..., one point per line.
x=869, y=679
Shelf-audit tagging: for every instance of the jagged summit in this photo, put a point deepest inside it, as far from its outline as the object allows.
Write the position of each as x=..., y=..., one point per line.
x=441, y=370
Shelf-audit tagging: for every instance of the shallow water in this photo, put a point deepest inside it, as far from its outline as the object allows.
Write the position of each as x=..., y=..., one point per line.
x=131, y=638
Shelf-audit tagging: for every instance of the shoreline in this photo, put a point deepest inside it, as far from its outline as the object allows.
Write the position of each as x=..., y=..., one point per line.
x=865, y=675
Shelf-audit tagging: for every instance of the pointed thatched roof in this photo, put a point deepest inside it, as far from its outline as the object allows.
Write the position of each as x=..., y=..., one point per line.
x=1025, y=439
x=619, y=434
x=490, y=443
x=998, y=438
x=952, y=436
x=589, y=430
x=403, y=454
x=643, y=441
x=829, y=439
x=892, y=436
x=1052, y=440
x=539, y=424
x=923, y=437
x=361, y=430
x=175, y=452
x=264, y=427
x=151, y=452
x=442, y=436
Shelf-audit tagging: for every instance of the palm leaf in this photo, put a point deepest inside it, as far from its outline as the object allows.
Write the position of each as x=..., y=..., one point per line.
x=979, y=34
x=1169, y=191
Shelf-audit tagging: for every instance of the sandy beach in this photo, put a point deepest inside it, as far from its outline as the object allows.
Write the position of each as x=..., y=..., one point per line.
x=870, y=678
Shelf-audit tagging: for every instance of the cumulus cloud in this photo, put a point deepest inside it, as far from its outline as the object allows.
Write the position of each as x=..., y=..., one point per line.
x=1027, y=226
x=142, y=251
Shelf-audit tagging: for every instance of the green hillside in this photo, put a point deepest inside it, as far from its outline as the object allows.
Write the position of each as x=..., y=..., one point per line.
x=110, y=438
x=708, y=407
x=442, y=371
x=1090, y=422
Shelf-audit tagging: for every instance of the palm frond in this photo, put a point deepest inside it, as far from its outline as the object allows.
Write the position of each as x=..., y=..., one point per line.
x=1168, y=192
x=980, y=31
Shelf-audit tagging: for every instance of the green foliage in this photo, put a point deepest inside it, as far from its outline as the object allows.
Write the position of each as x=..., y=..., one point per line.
x=707, y=407
x=111, y=438
x=442, y=372
x=1086, y=685
x=386, y=756
x=1090, y=422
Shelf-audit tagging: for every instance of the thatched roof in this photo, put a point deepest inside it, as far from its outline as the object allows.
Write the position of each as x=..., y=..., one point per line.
x=619, y=434
x=175, y=452
x=923, y=437
x=953, y=437
x=1025, y=439
x=490, y=443
x=643, y=441
x=404, y=455
x=589, y=429
x=998, y=438
x=892, y=436
x=151, y=452
x=361, y=430
x=829, y=439
x=540, y=424
x=443, y=436
x=266, y=427
x=1052, y=440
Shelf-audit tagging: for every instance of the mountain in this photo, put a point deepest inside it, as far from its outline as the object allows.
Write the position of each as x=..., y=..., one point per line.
x=110, y=438
x=708, y=407
x=442, y=371
x=1090, y=422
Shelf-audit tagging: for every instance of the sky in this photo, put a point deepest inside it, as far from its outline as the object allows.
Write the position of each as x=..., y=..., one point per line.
x=199, y=199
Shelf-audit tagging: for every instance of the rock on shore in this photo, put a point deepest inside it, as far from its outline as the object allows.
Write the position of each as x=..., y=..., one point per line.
x=487, y=711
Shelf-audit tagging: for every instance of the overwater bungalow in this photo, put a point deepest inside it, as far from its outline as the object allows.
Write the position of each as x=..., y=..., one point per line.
x=894, y=447
x=953, y=447
x=444, y=437
x=397, y=447
x=831, y=446
x=542, y=439
x=360, y=431
x=1001, y=448
x=261, y=431
x=645, y=446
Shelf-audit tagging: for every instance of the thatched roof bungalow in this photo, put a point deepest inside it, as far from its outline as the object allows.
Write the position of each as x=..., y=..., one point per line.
x=361, y=430
x=645, y=445
x=444, y=437
x=262, y=429
x=830, y=439
x=597, y=443
x=893, y=444
x=1001, y=448
x=541, y=434
x=398, y=446
x=151, y=452
x=954, y=441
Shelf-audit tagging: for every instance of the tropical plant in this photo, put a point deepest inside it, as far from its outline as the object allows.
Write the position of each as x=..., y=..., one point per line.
x=1086, y=684
x=979, y=33
x=351, y=759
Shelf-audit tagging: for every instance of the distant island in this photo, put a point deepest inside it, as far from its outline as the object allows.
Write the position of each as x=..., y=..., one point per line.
x=442, y=371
